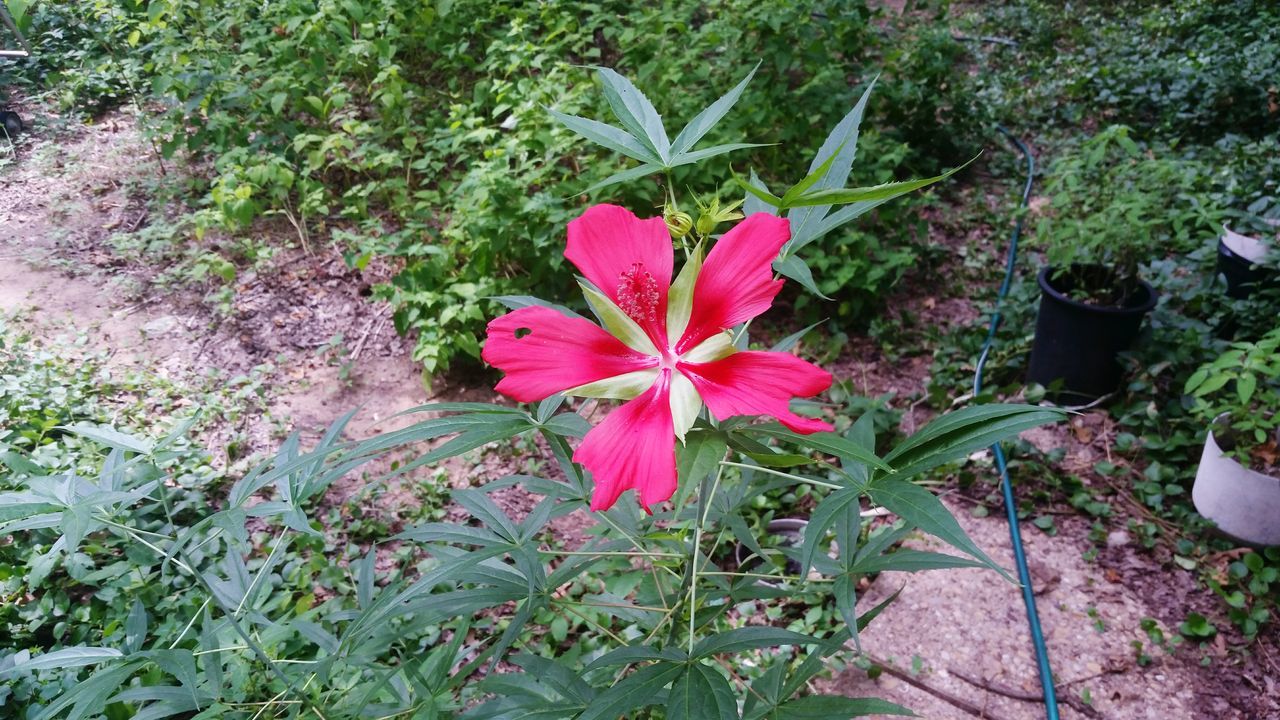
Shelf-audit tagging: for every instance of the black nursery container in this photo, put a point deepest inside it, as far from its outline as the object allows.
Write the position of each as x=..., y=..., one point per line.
x=1078, y=343
x=1242, y=275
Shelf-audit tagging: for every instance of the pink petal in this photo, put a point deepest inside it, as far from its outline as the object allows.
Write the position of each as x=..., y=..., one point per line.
x=543, y=352
x=635, y=447
x=629, y=260
x=759, y=383
x=736, y=282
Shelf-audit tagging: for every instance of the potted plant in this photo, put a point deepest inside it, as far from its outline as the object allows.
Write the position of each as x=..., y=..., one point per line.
x=1237, y=485
x=1243, y=257
x=1105, y=220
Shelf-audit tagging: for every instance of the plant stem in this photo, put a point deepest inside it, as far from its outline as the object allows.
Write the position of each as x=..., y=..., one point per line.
x=779, y=473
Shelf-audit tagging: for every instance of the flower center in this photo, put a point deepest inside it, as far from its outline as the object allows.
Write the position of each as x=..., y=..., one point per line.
x=638, y=294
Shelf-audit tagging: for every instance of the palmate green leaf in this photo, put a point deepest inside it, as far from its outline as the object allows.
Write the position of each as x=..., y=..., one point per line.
x=836, y=707
x=78, y=656
x=639, y=689
x=750, y=638
x=702, y=123
x=923, y=509
x=608, y=136
x=635, y=112
x=956, y=434
x=701, y=693
x=840, y=146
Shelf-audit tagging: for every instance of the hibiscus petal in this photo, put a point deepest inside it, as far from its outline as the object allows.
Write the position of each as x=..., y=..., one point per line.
x=607, y=243
x=759, y=383
x=635, y=447
x=544, y=352
x=736, y=282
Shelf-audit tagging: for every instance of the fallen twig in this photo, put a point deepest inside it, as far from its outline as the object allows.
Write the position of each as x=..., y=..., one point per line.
x=939, y=693
x=1076, y=703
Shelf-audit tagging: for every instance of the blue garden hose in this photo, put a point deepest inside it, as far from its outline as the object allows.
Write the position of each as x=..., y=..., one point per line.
x=1010, y=505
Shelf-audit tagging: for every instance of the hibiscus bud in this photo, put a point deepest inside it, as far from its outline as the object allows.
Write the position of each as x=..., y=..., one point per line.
x=706, y=223
x=679, y=223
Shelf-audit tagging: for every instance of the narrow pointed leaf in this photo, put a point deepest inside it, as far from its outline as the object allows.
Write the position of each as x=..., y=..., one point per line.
x=66, y=658
x=607, y=136
x=955, y=435
x=707, y=119
x=923, y=509
x=628, y=175
x=635, y=112
x=752, y=203
x=798, y=270
x=698, y=156
x=826, y=442
x=750, y=638
x=912, y=561
x=824, y=516
x=639, y=689
x=886, y=191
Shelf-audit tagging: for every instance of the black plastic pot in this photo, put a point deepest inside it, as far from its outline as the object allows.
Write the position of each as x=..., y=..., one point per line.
x=1242, y=276
x=788, y=531
x=1078, y=343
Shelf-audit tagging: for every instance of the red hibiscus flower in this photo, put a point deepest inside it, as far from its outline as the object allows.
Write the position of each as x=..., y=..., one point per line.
x=665, y=347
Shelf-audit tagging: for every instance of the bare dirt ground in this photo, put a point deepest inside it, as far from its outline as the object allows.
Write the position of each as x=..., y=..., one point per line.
x=71, y=191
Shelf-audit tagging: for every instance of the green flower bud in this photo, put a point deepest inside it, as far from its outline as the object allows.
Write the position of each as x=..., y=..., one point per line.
x=706, y=223
x=679, y=223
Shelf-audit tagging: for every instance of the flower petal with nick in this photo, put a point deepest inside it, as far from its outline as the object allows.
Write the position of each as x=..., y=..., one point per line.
x=665, y=347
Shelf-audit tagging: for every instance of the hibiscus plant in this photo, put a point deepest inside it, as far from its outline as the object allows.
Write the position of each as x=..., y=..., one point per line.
x=657, y=613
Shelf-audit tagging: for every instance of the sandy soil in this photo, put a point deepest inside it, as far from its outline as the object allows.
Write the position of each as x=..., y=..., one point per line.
x=953, y=629
x=68, y=194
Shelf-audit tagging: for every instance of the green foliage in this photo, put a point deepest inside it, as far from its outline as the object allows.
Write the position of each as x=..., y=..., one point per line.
x=1243, y=384
x=1112, y=204
x=1195, y=70
x=417, y=132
